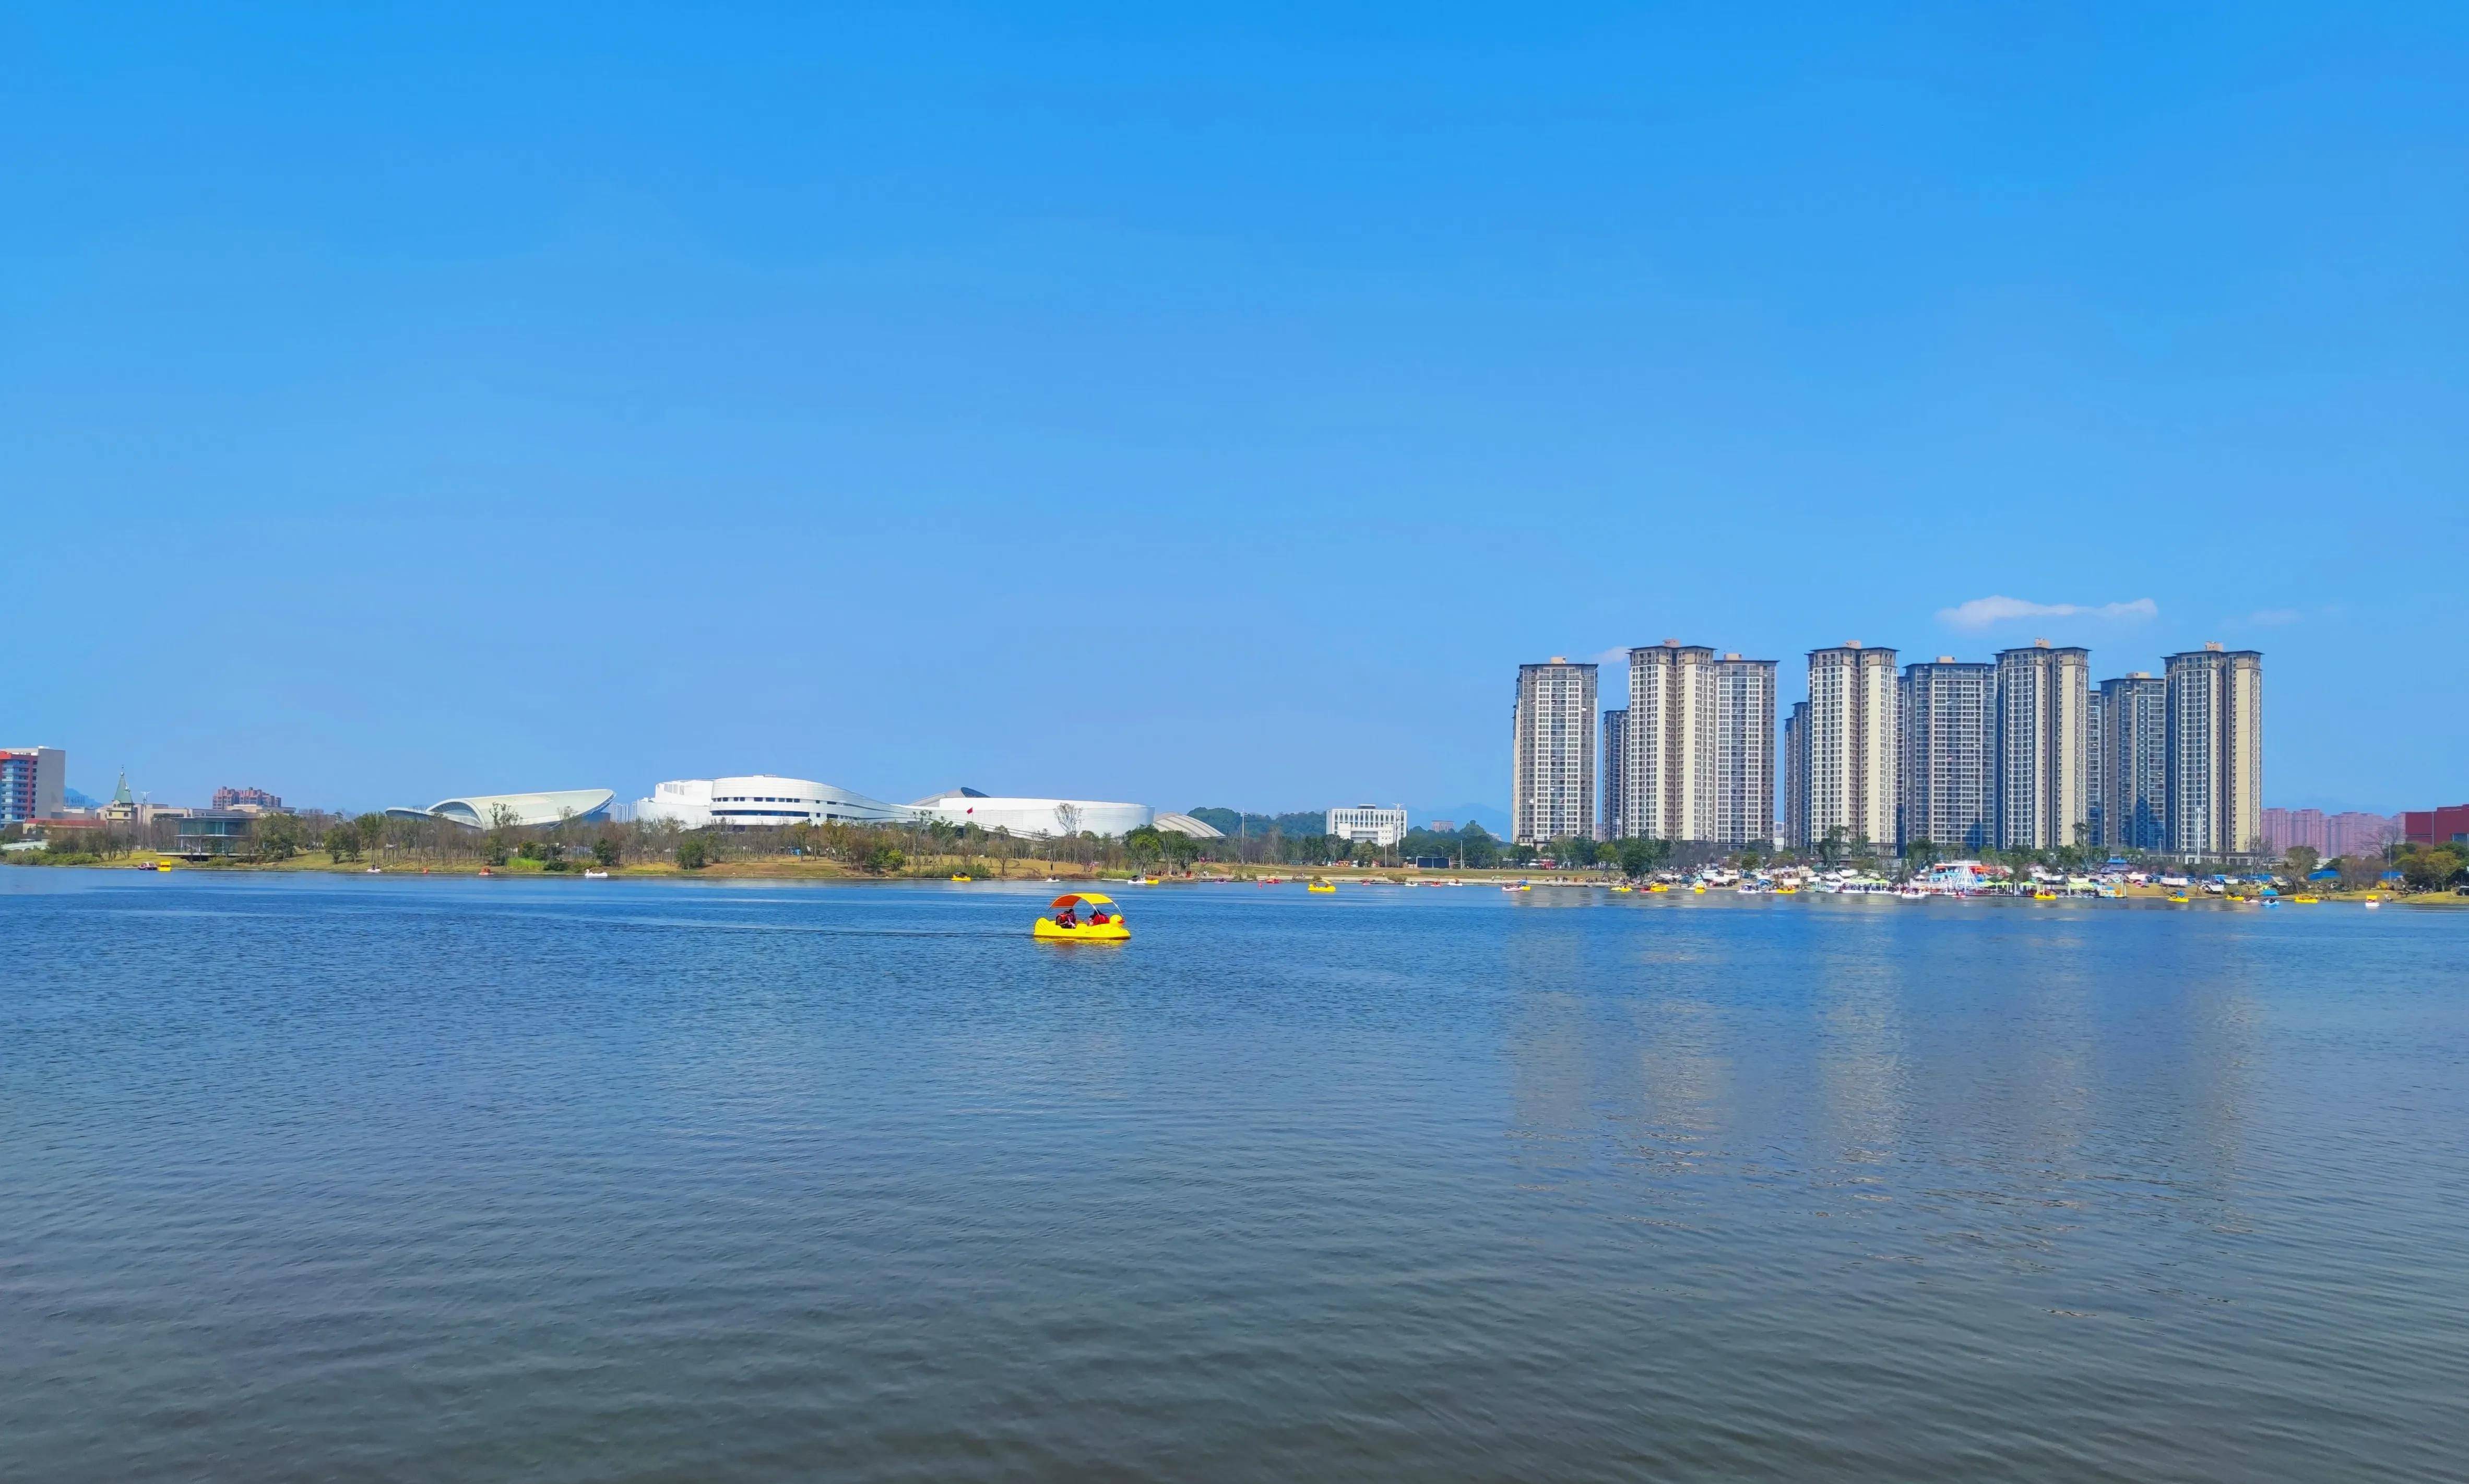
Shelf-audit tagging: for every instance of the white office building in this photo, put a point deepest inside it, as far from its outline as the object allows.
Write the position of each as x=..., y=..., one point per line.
x=1367, y=824
x=1551, y=752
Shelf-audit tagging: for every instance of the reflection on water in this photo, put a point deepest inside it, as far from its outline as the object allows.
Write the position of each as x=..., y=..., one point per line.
x=391, y=1179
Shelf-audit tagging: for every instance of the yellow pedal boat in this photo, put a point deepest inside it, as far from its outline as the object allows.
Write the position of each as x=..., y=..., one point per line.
x=1320, y=886
x=1064, y=924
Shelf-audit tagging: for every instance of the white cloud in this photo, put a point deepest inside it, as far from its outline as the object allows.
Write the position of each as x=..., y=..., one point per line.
x=1982, y=612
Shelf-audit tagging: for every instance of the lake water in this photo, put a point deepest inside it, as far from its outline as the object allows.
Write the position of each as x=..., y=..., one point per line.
x=385, y=1178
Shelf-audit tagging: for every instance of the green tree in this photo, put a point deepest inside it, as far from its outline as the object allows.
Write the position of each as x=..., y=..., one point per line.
x=1478, y=848
x=371, y=828
x=881, y=858
x=695, y=852
x=1919, y=854
x=2430, y=868
x=279, y=837
x=606, y=851
x=499, y=841
x=342, y=843
x=1831, y=848
x=1639, y=857
x=2302, y=861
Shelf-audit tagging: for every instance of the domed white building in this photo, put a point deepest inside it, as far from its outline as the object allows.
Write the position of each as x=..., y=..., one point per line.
x=486, y=811
x=1035, y=817
x=762, y=801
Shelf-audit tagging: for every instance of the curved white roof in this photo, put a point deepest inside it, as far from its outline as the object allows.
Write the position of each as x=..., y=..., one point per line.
x=761, y=799
x=1035, y=817
x=1185, y=825
x=483, y=811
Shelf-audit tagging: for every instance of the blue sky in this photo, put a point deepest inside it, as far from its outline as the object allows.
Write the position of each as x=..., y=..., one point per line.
x=1201, y=407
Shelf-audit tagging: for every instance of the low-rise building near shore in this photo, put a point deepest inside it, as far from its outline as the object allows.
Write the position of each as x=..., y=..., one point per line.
x=487, y=811
x=1369, y=824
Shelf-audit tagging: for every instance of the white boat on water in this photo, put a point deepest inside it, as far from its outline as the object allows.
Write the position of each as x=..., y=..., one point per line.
x=595, y=875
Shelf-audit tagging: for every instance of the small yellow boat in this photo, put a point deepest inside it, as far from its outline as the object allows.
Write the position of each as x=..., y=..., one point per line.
x=1320, y=886
x=1064, y=922
x=1787, y=890
x=1698, y=890
x=2180, y=897
x=1624, y=888
x=962, y=876
x=1660, y=886
x=2307, y=901
x=1145, y=881
x=2044, y=896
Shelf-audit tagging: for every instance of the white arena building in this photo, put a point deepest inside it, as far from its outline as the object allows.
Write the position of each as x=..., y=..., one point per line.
x=766, y=801
x=1035, y=817
x=762, y=801
x=483, y=811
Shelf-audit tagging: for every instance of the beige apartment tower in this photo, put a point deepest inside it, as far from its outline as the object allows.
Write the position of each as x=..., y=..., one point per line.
x=2044, y=747
x=1553, y=752
x=1667, y=779
x=1850, y=741
x=2215, y=751
x=1699, y=760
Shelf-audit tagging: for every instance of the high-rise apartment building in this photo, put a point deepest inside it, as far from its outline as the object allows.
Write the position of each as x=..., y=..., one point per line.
x=2215, y=751
x=2131, y=762
x=2358, y=835
x=1851, y=744
x=2286, y=829
x=1612, y=756
x=32, y=781
x=1699, y=760
x=1948, y=732
x=1744, y=751
x=2044, y=693
x=1795, y=776
x=2093, y=717
x=1553, y=752
x=1668, y=773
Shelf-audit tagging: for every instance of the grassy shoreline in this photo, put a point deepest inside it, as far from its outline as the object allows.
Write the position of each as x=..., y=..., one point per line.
x=816, y=870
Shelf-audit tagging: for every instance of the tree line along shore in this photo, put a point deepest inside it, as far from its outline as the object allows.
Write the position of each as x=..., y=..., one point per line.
x=309, y=840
